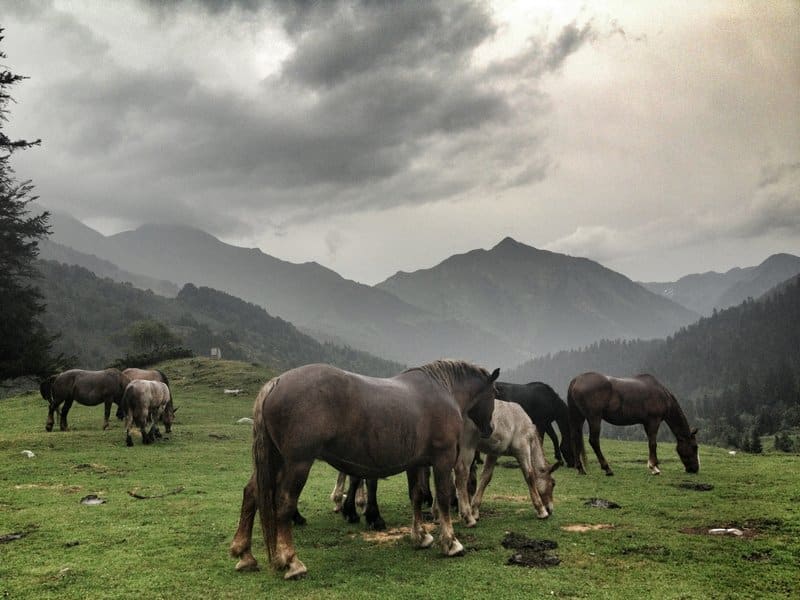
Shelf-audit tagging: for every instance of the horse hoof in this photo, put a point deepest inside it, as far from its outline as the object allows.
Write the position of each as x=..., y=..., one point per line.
x=296, y=570
x=247, y=563
x=129, y=443
x=543, y=515
x=352, y=518
x=426, y=541
x=609, y=473
x=48, y=428
x=377, y=525
x=470, y=523
x=456, y=549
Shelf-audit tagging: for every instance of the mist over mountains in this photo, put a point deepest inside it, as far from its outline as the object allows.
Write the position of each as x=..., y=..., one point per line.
x=497, y=307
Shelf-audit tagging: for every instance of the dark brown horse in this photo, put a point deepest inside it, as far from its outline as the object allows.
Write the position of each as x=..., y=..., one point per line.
x=365, y=426
x=636, y=400
x=89, y=388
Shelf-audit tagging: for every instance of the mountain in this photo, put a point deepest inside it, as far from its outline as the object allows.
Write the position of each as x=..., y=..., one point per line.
x=49, y=250
x=93, y=315
x=703, y=292
x=539, y=301
x=312, y=297
x=733, y=371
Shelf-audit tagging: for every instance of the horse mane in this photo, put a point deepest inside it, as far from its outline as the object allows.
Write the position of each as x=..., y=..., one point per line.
x=675, y=417
x=449, y=372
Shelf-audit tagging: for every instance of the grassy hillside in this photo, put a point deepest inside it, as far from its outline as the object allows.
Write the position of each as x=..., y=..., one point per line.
x=93, y=315
x=175, y=545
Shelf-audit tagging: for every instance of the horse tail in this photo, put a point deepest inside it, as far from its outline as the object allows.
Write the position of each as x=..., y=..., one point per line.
x=46, y=388
x=575, y=427
x=267, y=462
x=164, y=377
x=122, y=407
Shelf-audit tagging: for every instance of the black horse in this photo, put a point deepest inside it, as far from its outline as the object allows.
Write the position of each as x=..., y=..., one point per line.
x=543, y=405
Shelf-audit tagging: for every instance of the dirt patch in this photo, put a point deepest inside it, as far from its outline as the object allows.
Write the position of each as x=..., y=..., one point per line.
x=509, y=498
x=508, y=464
x=580, y=528
x=219, y=436
x=601, y=503
x=17, y=535
x=67, y=489
x=530, y=552
x=391, y=536
x=749, y=528
x=698, y=487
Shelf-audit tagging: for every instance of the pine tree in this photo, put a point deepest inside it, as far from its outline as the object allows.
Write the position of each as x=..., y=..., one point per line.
x=25, y=346
x=755, y=441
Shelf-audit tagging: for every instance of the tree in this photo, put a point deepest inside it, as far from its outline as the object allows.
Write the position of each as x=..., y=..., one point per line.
x=25, y=346
x=151, y=336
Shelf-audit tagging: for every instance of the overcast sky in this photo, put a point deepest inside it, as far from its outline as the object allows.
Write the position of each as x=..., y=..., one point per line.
x=658, y=138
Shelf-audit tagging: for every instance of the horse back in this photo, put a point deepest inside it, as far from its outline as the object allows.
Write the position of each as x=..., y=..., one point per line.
x=540, y=401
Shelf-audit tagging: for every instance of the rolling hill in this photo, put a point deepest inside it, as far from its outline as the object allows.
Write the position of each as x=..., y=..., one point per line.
x=93, y=315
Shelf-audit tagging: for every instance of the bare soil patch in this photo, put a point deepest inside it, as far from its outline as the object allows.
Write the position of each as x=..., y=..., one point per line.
x=393, y=535
x=749, y=528
x=530, y=552
x=582, y=528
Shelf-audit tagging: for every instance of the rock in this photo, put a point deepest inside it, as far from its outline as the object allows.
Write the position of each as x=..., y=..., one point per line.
x=245, y=421
x=28, y=453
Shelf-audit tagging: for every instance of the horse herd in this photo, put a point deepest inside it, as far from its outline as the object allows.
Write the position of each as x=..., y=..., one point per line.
x=428, y=420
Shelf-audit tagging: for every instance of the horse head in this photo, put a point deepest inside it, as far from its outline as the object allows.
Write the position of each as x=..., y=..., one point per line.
x=687, y=450
x=483, y=406
x=545, y=484
x=169, y=416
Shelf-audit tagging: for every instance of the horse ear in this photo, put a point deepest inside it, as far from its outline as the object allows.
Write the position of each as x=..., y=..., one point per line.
x=495, y=374
x=554, y=467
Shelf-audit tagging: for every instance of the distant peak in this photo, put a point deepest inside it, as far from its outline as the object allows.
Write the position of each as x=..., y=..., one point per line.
x=509, y=244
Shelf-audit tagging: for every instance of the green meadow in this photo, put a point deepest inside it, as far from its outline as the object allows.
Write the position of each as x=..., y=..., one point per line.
x=173, y=541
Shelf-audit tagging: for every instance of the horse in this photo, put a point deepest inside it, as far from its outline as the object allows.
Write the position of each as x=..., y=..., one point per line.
x=146, y=374
x=514, y=434
x=543, y=405
x=636, y=400
x=144, y=404
x=366, y=426
x=89, y=388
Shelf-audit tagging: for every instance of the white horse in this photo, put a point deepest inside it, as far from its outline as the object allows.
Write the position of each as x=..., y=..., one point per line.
x=514, y=435
x=144, y=404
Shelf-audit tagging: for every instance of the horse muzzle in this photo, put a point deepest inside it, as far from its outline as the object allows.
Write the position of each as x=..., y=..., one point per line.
x=486, y=432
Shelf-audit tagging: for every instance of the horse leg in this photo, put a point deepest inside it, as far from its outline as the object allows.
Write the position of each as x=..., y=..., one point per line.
x=337, y=495
x=291, y=481
x=551, y=433
x=652, y=434
x=425, y=482
x=442, y=478
x=576, y=420
x=106, y=414
x=241, y=546
x=349, y=507
x=52, y=409
x=486, y=477
x=64, y=411
x=371, y=512
x=420, y=537
x=128, y=427
x=594, y=441
x=462, y=491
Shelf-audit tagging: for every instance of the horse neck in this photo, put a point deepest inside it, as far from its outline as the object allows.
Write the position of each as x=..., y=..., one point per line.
x=676, y=419
x=537, y=455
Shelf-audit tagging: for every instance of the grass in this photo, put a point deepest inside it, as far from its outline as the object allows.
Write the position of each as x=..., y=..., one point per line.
x=176, y=545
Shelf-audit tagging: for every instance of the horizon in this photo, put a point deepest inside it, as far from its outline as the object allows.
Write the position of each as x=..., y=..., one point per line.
x=655, y=139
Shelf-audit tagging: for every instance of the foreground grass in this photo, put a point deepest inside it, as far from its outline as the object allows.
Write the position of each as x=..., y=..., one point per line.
x=175, y=545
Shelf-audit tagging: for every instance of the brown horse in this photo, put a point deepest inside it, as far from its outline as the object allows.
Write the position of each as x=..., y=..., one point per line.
x=89, y=388
x=636, y=400
x=366, y=426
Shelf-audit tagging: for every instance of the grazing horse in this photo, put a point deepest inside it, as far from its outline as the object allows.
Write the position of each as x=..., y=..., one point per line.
x=513, y=435
x=543, y=405
x=635, y=400
x=146, y=374
x=366, y=426
x=89, y=388
x=144, y=404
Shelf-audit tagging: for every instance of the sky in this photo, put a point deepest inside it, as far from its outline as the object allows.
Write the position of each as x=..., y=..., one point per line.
x=657, y=138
